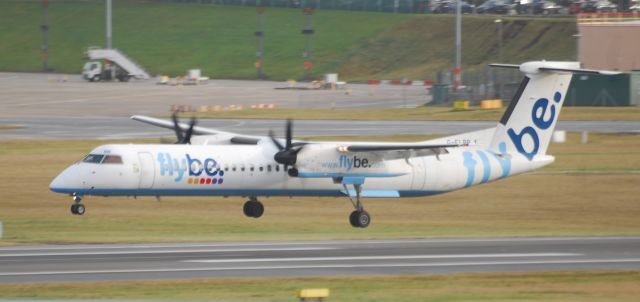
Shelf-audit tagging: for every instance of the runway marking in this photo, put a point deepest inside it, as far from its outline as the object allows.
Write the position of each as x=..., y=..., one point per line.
x=327, y=266
x=402, y=257
x=170, y=251
x=302, y=243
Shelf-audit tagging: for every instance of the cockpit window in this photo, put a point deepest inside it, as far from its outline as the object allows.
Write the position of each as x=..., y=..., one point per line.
x=93, y=158
x=112, y=159
x=102, y=159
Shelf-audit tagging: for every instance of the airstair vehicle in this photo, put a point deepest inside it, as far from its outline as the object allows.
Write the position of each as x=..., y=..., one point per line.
x=117, y=65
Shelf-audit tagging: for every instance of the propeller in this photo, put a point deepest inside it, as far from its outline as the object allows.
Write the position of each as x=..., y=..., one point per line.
x=184, y=137
x=288, y=154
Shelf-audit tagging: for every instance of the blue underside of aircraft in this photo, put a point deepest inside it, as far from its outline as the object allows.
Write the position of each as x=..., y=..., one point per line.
x=244, y=192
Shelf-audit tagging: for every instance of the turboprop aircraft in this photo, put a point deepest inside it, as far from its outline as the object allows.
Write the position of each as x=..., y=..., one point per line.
x=208, y=162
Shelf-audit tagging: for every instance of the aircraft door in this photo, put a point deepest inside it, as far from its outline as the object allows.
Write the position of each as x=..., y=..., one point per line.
x=147, y=170
x=419, y=173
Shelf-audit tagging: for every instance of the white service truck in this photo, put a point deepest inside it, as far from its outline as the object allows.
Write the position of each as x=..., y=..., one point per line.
x=94, y=71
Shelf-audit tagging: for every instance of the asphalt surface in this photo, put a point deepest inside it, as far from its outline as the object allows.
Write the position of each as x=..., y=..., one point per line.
x=96, y=127
x=314, y=258
x=33, y=94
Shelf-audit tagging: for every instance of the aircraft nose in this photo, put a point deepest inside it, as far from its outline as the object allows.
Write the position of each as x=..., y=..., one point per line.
x=66, y=182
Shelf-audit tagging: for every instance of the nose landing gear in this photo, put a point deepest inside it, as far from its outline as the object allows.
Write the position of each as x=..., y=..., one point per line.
x=253, y=208
x=77, y=208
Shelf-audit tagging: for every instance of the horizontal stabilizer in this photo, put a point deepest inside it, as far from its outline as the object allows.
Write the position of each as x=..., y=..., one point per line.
x=548, y=66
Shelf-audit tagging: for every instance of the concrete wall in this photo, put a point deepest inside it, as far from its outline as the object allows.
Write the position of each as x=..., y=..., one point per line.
x=610, y=46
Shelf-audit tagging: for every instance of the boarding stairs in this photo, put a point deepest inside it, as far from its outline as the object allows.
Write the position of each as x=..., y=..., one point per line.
x=119, y=58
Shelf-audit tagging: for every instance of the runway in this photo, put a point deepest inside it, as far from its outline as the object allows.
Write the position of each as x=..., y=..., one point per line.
x=94, y=127
x=108, y=262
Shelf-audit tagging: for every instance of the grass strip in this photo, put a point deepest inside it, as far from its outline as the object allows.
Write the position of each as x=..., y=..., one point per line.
x=547, y=286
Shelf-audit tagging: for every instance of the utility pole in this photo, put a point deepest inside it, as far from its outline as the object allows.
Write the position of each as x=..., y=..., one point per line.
x=108, y=24
x=45, y=36
x=501, y=80
x=260, y=38
x=308, y=35
x=457, y=71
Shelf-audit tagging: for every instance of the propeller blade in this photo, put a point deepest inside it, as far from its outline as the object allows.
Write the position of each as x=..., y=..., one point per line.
x=189, y=133
x=275, y=141
x=177, y=128
x=289, y=131
x=288, y=154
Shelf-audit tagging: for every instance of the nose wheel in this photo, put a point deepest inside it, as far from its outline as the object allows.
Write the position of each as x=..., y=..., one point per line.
x=253, y=208
x=77, y=208
x=358, y=218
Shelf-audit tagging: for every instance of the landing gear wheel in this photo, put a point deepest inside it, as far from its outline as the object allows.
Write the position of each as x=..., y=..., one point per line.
x=253, y=208
x=359, y=219
x=77, y=209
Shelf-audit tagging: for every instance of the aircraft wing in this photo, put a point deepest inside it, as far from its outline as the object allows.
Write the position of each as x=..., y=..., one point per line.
x=398, y=151
x=234, y=138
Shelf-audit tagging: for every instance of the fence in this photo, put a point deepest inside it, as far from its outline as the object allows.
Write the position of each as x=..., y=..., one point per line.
x=388, y=6
x=487, y=83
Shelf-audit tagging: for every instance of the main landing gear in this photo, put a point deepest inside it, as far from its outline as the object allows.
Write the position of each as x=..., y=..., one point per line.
x=253, y=208
x=77, y=208
x=358, y=218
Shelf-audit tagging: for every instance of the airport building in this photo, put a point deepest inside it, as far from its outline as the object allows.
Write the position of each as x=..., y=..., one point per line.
x=608, y=41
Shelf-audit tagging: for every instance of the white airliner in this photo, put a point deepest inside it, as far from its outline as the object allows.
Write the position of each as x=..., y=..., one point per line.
x=218, y=163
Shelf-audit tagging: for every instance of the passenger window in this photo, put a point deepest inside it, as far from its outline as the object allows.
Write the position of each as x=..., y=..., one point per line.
x=277, y=168
x=261, y=168
x=233, y=169
x=252, y=169
x=268, y=168
x=242, y=168
x=112, y=159
x=93, y=158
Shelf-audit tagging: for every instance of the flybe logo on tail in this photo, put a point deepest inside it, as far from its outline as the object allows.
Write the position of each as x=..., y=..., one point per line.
x=196, y=171
x=543, y=115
